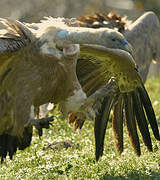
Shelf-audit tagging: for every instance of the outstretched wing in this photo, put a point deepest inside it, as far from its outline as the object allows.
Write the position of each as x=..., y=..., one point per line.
x=95, y=67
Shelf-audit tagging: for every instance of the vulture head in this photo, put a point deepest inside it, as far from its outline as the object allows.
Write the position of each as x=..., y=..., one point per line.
x=58, y=33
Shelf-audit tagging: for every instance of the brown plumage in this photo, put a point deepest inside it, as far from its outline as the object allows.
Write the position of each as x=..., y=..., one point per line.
x=99, y=20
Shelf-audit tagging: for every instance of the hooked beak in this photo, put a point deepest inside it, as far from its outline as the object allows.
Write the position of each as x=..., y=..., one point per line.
x=128, y=47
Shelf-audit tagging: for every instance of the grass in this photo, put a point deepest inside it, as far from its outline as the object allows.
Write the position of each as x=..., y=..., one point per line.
x=41, y=161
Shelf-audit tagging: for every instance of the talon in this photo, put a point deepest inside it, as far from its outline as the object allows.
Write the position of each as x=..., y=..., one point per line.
x=71, y=118
x=76, y=118
x=78, y=124
x=42, y=123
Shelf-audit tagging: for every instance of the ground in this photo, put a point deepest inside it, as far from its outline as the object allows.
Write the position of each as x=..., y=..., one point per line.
x=43, y=161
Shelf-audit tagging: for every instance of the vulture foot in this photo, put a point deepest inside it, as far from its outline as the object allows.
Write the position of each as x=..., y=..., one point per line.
x=77, y=118
x=91, y=104
x=42, y=123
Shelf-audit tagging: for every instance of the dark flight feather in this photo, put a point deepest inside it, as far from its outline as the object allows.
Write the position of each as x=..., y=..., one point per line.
x=131, y=122
x=141, y=119
x=149, y=111
x=117, y=123
x=100, y=126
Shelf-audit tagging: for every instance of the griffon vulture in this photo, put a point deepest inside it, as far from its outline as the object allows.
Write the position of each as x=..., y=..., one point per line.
x=39, y=66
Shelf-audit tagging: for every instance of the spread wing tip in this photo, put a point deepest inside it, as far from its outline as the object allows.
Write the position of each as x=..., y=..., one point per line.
x=100, y=126
x=149, y=111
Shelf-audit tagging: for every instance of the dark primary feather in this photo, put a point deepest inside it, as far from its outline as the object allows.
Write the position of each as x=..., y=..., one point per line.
x=117, y=123
x=149, y=111
x=100, y=126
x=141, y=119
x=131, y=123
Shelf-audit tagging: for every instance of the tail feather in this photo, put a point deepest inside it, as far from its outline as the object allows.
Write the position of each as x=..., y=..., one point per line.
x=131, y=123
x=117, y=124
x=141, y=120
x=149, y=111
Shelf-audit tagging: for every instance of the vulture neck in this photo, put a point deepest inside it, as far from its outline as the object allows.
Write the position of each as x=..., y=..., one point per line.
x=75, y=96
x=59, y=83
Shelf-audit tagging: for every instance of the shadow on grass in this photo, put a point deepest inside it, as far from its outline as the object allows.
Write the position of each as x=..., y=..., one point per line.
x=135, y=175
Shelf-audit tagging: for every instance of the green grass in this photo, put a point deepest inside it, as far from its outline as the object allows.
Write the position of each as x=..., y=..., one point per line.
x=78, y=162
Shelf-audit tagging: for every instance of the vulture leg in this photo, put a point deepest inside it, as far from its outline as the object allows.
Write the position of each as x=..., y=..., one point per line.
x=149, y=111
x=109, y=90
x=141, y=120
x=117, y=123
x=131, y=122
x=78, y=118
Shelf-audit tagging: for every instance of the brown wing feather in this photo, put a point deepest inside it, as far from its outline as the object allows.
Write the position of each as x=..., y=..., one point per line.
x=117, y=123
x=141, y=119
x=131, y=122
